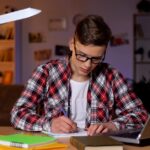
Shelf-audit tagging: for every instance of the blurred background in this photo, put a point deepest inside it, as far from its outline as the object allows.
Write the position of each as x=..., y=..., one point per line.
x=27, y=43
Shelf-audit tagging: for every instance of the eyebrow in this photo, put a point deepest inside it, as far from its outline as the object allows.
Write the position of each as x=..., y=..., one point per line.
x=88, y=55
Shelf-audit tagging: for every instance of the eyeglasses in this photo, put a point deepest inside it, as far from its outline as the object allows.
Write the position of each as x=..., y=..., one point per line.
x=83, y=57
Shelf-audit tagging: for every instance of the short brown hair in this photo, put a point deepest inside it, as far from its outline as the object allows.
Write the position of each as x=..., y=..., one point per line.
x=93, y=30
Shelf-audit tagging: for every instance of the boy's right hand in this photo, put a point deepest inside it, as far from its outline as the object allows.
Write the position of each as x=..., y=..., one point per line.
x=63, y=124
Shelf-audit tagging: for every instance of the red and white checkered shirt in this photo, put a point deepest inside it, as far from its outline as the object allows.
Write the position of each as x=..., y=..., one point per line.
x=109, y=98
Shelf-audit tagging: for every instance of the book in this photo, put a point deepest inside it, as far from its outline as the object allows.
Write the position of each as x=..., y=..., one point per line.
x=25, y=140
x=51, y=146
x=7, y=77
x=99, y=142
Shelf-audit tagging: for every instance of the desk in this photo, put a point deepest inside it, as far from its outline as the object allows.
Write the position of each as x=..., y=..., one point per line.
x=11, y=130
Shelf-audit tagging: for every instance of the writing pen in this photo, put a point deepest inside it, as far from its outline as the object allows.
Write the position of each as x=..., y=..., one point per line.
x=64, y=112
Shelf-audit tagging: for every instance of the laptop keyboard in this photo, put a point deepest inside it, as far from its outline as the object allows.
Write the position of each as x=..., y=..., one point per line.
x=126, y=133
x=129, y=134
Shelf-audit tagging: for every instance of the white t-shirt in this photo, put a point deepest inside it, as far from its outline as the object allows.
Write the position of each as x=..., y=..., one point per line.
x=79, y=102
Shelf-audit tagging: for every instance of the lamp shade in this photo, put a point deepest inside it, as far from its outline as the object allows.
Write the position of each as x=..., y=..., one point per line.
x=18, y=15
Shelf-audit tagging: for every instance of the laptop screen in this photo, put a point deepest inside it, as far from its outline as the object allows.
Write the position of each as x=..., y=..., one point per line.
x=145, y=133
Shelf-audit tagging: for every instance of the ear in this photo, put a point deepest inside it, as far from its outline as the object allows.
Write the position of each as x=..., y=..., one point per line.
x=71, y=44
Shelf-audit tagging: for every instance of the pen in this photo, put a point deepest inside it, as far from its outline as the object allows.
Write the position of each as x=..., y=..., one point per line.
x=64, y=112
x=14, y=144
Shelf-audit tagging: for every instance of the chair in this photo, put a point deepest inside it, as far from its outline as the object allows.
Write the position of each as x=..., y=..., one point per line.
x=8, y=96
x=142, y=89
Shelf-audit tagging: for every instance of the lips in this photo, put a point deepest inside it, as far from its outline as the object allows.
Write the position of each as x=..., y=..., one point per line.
x=86, y=71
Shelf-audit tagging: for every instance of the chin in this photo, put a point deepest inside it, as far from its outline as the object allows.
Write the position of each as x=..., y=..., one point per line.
x=84, y=74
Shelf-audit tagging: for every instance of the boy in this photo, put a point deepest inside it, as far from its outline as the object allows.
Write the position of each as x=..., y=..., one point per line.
x=81, y=91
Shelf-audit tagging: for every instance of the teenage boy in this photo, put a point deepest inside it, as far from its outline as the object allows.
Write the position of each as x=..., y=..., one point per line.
x=81, y=91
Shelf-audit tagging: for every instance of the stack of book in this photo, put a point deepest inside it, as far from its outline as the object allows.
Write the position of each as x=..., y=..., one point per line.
x=99, y=142
x=30, y=142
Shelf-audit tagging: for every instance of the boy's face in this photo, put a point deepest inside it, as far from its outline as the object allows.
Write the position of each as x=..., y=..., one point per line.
x=85, y=58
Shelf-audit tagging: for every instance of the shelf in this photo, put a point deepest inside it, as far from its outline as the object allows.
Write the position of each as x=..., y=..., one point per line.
x=7, y=66
x=141, y=44
x=142, y=38
x=143, y=62
x=7, y=43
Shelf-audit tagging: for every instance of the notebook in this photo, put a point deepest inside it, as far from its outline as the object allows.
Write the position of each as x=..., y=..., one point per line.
x=80, y=132
x=25, y=140
x=136, y=136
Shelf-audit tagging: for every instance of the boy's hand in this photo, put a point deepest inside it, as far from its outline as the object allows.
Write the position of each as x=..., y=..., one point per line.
x=63, y=124
x=101, y=128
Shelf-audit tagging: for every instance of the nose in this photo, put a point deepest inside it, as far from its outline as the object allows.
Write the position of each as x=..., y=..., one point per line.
x=88, y=63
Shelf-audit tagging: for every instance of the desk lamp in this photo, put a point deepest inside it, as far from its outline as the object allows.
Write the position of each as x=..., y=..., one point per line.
x=18, y=15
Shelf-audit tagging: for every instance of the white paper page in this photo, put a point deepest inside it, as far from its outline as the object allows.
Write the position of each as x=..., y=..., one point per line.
x=81, y=132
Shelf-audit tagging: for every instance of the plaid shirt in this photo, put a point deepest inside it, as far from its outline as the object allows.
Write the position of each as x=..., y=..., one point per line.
x=109, y=98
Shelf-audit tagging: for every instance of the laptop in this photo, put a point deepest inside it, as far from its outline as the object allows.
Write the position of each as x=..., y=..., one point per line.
x=136, y=136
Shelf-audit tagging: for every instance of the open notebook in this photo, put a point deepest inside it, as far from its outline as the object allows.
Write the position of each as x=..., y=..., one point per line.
x=80, y=132
x=137, y=136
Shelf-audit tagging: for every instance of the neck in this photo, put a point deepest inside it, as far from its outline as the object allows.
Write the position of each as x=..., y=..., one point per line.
x=79, y=78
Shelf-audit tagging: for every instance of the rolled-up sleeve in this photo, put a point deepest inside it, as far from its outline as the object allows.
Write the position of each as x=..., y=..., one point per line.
x=24, y=113
x=130, y=110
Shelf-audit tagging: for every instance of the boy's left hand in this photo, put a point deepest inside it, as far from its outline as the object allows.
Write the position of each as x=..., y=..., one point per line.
x=101, y=128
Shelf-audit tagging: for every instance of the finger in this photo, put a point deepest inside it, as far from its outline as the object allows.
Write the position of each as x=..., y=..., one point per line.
x=100, y=129
x=74, y=127
x=65, y=128
x=67, y=120
x=69, y=124
x=105, y=130
x=92, y=130
x=59, y=125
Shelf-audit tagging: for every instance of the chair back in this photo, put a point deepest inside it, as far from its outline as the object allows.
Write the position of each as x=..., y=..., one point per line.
x=8, y=96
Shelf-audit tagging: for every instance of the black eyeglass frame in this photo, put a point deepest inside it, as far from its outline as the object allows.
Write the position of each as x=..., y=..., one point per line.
x=86, y=58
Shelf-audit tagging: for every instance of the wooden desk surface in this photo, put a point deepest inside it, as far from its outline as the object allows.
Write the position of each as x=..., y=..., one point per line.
x=11, y=130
